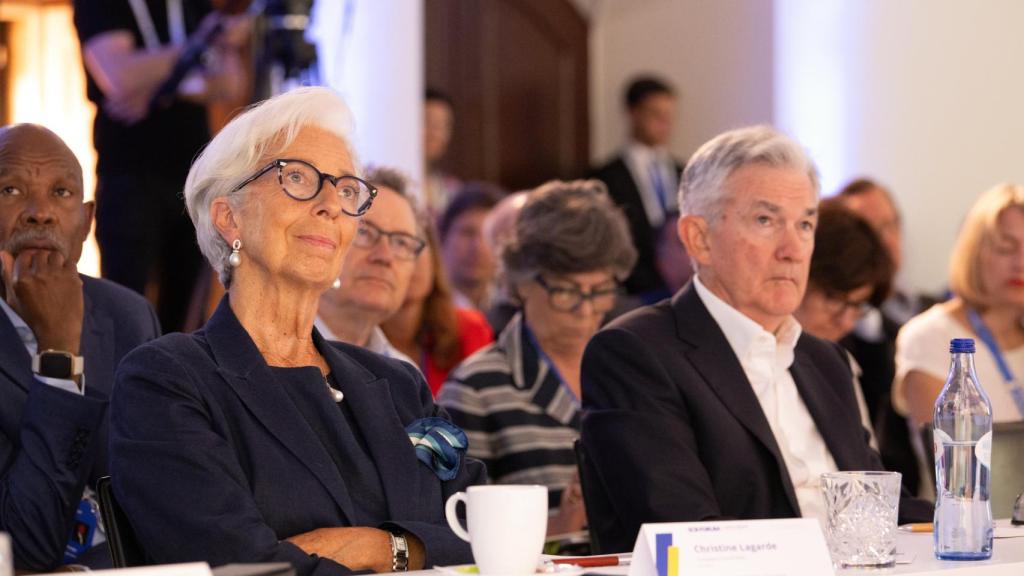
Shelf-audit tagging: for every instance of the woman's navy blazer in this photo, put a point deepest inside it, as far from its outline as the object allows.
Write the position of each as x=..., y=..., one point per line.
x=213, y=462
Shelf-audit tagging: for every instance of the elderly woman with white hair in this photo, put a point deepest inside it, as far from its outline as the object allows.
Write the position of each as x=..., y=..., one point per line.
x=254, y=439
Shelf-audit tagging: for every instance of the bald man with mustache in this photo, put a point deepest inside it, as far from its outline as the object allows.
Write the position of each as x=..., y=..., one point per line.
x=61, y=337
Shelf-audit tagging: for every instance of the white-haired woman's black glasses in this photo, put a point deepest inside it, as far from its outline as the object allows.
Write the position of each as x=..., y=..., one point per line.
x=302, y=181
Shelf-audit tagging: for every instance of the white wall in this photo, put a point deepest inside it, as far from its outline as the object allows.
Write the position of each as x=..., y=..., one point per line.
x=924, y=95
x=717, y=53
x=376, y=62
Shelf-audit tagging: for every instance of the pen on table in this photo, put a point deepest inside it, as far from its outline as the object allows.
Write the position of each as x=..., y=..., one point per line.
x=592, y=561
x=918, y=527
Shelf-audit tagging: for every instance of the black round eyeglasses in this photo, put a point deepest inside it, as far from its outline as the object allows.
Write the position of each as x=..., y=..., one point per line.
x=301, y=181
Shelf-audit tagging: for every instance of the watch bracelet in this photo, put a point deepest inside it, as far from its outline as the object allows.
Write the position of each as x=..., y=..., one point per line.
x=399, y=552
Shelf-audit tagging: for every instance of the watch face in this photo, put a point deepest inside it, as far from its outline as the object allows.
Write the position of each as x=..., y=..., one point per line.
x=55, y=365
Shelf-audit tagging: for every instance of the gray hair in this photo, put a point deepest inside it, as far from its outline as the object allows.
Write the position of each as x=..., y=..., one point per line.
x=567, y=228
x=263, y=130
x=701, y=188
x=397, y=180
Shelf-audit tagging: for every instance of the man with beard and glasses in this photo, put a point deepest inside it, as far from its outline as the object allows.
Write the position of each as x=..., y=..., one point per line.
x=62, y=335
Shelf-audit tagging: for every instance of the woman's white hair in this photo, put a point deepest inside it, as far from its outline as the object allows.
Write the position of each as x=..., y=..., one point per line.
x=263, y=130
x=701, y=188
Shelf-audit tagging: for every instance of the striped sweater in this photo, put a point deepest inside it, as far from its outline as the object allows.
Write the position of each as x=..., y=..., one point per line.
x=520, y=419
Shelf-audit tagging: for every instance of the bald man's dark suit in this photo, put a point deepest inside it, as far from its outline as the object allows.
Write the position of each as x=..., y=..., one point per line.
x=53, y=442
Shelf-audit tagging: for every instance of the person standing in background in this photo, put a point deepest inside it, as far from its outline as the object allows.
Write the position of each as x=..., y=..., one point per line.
x=438, y=123
x=129, y=49
x=643, y=177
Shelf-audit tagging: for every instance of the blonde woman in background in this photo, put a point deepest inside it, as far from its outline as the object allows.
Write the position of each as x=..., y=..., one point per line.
x=987, y=281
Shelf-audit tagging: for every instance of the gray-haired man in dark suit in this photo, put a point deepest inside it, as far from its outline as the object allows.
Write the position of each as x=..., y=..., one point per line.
x=714, y=404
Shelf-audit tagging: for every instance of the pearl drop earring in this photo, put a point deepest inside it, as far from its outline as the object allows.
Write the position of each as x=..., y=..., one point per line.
x=336, y=284
x=235, y=258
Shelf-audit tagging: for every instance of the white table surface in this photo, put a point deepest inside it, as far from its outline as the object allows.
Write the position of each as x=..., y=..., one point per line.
x=1007, y=560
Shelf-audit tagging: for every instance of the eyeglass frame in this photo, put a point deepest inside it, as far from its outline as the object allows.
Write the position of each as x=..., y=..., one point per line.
x=390, y=234
x=583, y=297
x=837, y=304
x=280, y=163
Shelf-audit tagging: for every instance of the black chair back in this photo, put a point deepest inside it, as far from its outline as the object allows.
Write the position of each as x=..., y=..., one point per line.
x=590, y=485
x=1007, y=467
x=125, y=550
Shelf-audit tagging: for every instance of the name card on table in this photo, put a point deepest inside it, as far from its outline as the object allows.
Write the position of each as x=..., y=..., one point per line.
x=790, y=547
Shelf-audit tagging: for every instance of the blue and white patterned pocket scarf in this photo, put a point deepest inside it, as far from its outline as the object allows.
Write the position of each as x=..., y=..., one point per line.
x=439, y=444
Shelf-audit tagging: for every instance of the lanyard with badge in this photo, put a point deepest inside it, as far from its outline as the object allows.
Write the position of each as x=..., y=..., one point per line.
x=997, y=353
x=551, y=363
x=87, y=530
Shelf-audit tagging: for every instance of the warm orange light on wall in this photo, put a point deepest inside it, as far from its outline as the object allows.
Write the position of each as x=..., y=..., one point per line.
x=48, y=85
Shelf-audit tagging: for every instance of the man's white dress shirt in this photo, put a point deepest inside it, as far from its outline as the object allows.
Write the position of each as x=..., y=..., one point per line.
x=766, y=359
x=378, y=342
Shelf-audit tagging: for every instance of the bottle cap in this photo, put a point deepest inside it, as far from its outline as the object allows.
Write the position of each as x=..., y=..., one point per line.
x=961, y=345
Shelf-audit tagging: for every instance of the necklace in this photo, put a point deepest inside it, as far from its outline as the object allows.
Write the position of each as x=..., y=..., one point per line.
x=336, y=394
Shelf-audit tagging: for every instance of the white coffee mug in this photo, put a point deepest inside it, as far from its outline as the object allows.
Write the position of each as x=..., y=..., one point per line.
x=506, y=523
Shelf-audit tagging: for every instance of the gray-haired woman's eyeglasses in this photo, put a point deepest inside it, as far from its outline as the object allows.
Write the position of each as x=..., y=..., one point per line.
x=301, y=181
x=569, y=299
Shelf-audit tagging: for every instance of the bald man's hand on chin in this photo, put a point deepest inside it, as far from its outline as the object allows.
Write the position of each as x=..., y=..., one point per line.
x=45, y=290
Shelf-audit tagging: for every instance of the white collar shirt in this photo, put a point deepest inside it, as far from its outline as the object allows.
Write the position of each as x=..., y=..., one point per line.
x=377, y=342
x=642, y=161
x=766, y=359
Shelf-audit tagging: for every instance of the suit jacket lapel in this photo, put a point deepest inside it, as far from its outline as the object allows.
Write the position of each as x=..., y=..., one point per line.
x=716, y=361
x=389, y=445
x=97, y=347
x=825, y=408
x=15, y=361
x=15, y=378
x=244, y=369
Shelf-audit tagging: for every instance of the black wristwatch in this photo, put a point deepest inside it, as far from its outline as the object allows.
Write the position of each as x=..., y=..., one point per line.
x=58, y=364
x=399, y=552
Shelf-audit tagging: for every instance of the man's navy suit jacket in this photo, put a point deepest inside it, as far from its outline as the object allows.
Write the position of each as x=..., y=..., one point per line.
x=212, y=461
x=53, y=442
x=675, y=433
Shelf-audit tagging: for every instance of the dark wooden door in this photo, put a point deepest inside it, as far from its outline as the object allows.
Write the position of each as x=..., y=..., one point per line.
x=517, y=72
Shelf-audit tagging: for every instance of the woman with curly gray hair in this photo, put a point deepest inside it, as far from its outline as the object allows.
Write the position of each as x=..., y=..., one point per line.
x=254, y=439
x=519, y=398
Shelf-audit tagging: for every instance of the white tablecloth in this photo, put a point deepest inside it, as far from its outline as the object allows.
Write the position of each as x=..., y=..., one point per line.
x=1007, y=560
